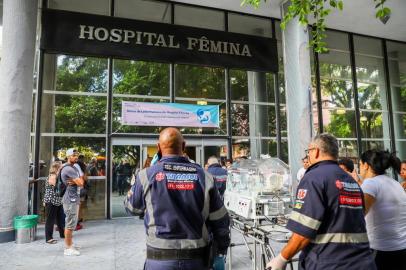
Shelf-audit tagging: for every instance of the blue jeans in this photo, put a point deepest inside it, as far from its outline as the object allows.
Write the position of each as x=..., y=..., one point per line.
x=175, y=265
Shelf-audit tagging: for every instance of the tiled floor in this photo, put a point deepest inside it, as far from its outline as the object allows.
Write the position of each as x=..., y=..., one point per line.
x=105, y=245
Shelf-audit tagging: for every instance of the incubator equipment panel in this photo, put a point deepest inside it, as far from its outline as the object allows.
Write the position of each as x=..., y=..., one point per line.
x=257, y=189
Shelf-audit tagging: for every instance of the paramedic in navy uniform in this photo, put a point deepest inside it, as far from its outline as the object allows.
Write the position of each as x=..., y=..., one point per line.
x=181, y=205
x=327, y=220
x=219, y=174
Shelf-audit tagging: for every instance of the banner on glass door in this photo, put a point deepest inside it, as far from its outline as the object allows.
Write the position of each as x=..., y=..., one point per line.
x=169, y=114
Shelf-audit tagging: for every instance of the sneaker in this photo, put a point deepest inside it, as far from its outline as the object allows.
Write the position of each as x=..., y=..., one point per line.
x=78, y=227
x=71, y=252
x=77, y=247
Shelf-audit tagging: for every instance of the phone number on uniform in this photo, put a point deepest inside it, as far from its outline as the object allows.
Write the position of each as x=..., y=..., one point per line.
x=181, y=186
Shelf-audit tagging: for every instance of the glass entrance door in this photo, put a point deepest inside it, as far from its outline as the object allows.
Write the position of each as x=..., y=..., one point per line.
x=126, y=159
x=202, y=149
x=132, y=154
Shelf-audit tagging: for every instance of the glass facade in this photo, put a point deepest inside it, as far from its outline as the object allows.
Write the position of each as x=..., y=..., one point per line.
x=354, y=93
x=82, y=98
x=397, y=73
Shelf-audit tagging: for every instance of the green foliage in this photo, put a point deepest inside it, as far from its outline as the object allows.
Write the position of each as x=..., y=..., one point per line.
x=319, y=10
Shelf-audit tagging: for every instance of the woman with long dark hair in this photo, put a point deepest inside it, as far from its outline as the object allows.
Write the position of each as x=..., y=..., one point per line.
x=53, y=205
x=385, y=206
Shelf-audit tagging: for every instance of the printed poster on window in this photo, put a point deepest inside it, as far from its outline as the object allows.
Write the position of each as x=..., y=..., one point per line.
x=169, y=114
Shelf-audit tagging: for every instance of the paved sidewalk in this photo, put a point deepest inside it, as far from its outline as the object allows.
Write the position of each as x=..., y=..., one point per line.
x=105, y=245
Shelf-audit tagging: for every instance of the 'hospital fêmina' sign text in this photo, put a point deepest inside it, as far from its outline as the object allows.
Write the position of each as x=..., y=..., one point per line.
x=106, y=36
x=201, y=44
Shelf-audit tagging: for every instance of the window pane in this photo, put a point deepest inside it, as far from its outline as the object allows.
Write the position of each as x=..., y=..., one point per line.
x=282, y=91
x=240, y=119
x=379, y=145
x=258, y=147
x=284, y=122
x=369, y=46
x=265, y=121
x=335, y=65
x=401, y=149
x=241, y=148
x=284, y=151
x=140, y=78
x=337, y=41
x=238, y=85
x=400, y=126
x=54, y=148
x=127, y=159
x=370, y=73
x=252, y=86
x=73, y=114
x=340, y=123
x=199, y=17
x=348, y=149
x=369, y=69
x=397, y=73
x=145, y=10
x=199, y=82
x=33, y=112
x=370, y=96
x=253, y=120
x=372, y=125
x=336, y=93
x=116, y=114
x=81, y=74
x=249, y=25
x=101, y=7
x=335, y=81
x=399, y=98
x=278, y=31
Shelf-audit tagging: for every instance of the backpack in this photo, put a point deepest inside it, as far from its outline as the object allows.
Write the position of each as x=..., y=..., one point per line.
x=60, y=186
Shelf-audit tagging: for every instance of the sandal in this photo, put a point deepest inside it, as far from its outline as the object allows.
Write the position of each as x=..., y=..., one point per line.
x=52, y=241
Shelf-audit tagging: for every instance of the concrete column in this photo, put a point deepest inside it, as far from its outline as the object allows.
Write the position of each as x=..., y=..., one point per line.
x=16, y=77
x=295, y=41
x=258, y=114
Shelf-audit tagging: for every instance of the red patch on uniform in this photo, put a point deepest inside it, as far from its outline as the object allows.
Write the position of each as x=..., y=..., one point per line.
x=352, y=201
x=181, y=186
x=301, y=194
x=160, y=176
x=339, y=184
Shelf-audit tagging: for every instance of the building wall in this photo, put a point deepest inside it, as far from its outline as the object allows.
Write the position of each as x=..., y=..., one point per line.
x=351, y=98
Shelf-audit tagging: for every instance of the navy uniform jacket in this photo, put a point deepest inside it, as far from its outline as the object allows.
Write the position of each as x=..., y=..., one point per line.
x=220, y=177
x=181, y=205
x=329, y=210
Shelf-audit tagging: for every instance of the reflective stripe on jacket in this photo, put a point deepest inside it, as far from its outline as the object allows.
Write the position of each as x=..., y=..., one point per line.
x=181, y=205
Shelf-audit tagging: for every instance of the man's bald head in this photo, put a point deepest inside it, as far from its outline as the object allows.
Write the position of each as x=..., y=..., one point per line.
x=171, y=142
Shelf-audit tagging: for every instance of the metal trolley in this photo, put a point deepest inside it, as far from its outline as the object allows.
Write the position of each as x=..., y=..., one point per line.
x=259, y=238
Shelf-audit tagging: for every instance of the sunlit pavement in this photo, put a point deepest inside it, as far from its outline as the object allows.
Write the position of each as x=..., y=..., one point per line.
x=105, y=245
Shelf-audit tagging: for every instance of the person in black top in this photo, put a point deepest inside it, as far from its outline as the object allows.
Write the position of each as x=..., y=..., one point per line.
x=53, y=205
x=124, y=172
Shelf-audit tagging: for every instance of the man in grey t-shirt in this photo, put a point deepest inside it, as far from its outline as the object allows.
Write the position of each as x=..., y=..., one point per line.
x=71, y=178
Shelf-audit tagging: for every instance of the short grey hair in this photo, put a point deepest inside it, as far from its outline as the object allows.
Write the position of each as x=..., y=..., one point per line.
x=212, y=160
x=327, y=143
